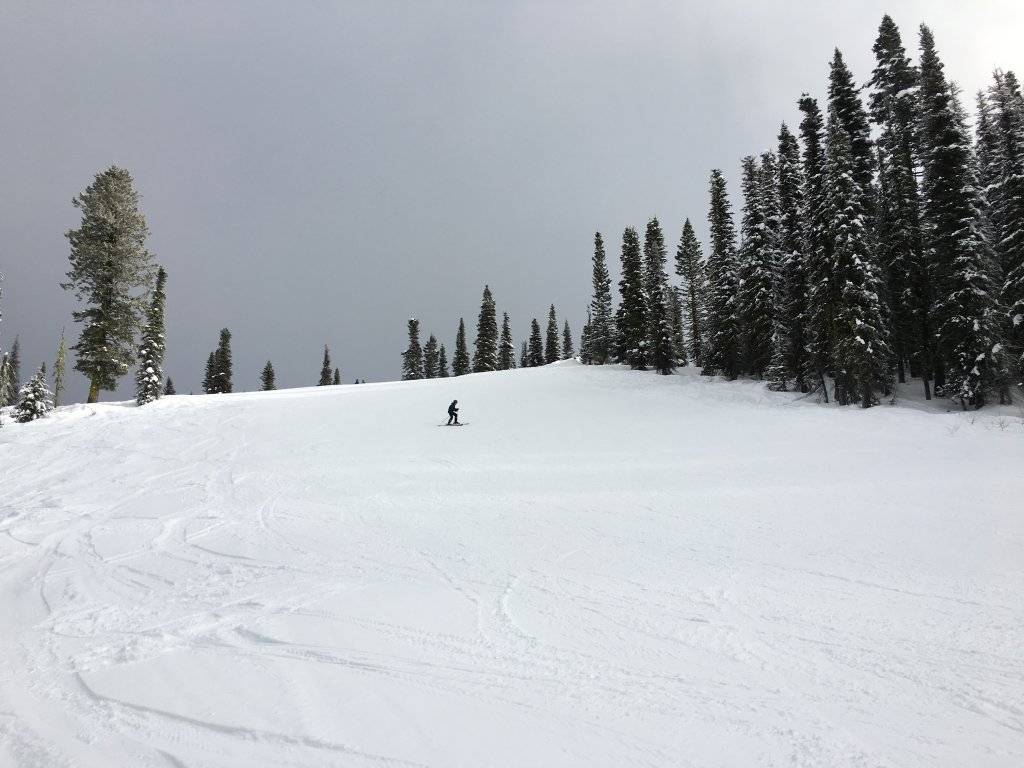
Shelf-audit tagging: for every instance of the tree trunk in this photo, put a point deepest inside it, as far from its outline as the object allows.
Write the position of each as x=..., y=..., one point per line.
x=927, y=388
x=94, y=391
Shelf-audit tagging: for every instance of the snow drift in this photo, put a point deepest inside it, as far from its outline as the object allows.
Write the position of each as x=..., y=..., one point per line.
x=605, y=568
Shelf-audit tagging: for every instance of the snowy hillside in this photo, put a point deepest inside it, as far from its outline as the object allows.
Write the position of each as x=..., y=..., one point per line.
x=603, y=569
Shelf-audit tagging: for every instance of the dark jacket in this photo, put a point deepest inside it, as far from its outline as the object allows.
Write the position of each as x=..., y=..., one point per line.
x=452, y=410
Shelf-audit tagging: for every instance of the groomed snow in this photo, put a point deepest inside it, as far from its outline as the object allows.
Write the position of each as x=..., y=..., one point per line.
x=605, y=568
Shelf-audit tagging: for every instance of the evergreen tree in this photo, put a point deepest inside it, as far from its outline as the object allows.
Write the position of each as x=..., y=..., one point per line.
x=552, y=349
x=412, y=358
x=442, y=362
x=5, y=381
x=816, y=238
x=677, y=317
x=222, y=364
x=336, y=381
x=210, y=377
x=756, y=306
x=506, y=348
x=14, y=372
x=536, y=356
x=661, y=355
x=792, y=362
x=893, y=103
x=600, y=332
x=109, y=264
x=631, y=317
x=567, y=350
x=690, y=269
x=722, y=351
x=845, y=103
x=586, y=353
x=60, y=370
x=485, y=355
x=460, y=363
x=524, y=356
x=326, y=373
x=860, y=343
x=431, y=359
x=267, y=378
x=34, y=400
x=965, y=307
x=152, y=346
x=169, y=388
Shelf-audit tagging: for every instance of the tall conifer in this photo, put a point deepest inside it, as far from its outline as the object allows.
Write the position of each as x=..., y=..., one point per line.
x=506, y=347
x=268, y=378
x=690, y=268
x=150, y=377
x=431, y=358
x=631, y=317
x=600, y=332
x=460, y=363
x=485, y=354
x=552, y=348
x=536, y=352
x=326, y=372
x=412, y=358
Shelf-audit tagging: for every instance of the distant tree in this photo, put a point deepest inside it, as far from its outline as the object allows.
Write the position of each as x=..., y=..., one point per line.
x=412, y=358
x=586, y=353
x=676, y=315
x=169, y=387
x=431, y=359
x=524, y=356
x=661, y=355
x=5, y=381
x=34, y=400
x=536, y=356
x=60, y=370
x=722, y=343
x=326, y=373
x=506, y=348
x=485, y=354
x=109, y=266
x=442, y=362
x=210, y=376
x=552, y=348
x=756, y=306
x=600, y=333
x=690, y=269
x=631, y=317
x=460, y=363
x=150, y=377
x=14, y=372
x=567, y=350
x=222, y=364
x=267, y=378
x=336, y=381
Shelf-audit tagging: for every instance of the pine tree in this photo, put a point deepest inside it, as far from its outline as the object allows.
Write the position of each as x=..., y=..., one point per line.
x=893, y=103
x=430, y=358
x=267, y=378
x=600, y=332
x=222, y=364
x=965, y=307
x=552, y=348
x=690, y=269
x=326, y=373
x=210, y=377
x=34, y=400
x=536, y=355
x=816, y=239
x=677, y=318
x=661, y=355
x=169, y=387
x=460, y=363
x=14, y=372
x=845, y=103
x=792, y=361
x=485, y=354
x=152, y=346
x=756, y=306
x=859, y=343
x=60, y=370
x=442, y=362
x=722, y=352
x=631, y=316
x=567, y=351
x=109, y=265
x=506, y=348
x=524, y=356
x=586, y=355
x=412, y=358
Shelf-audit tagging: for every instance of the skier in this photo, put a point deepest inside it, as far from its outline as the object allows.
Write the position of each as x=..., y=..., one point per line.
x=453, y=413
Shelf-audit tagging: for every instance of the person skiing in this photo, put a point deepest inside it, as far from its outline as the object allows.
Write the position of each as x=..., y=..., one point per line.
x=453, y=413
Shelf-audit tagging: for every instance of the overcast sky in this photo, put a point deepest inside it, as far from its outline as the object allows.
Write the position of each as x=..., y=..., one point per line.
x=319, y=172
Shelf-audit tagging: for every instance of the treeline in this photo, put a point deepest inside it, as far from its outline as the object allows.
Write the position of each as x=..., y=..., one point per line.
x=859, y=261
x=493, y=350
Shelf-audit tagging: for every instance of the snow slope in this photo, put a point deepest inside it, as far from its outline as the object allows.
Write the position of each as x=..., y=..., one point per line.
x=605, y=568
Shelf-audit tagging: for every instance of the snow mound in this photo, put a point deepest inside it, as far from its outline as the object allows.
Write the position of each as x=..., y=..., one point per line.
x=605, y=568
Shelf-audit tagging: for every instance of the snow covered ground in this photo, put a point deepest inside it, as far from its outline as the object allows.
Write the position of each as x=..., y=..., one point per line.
x=605, y=568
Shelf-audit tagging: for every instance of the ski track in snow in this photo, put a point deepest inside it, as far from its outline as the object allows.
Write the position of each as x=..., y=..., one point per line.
x=611, y=569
